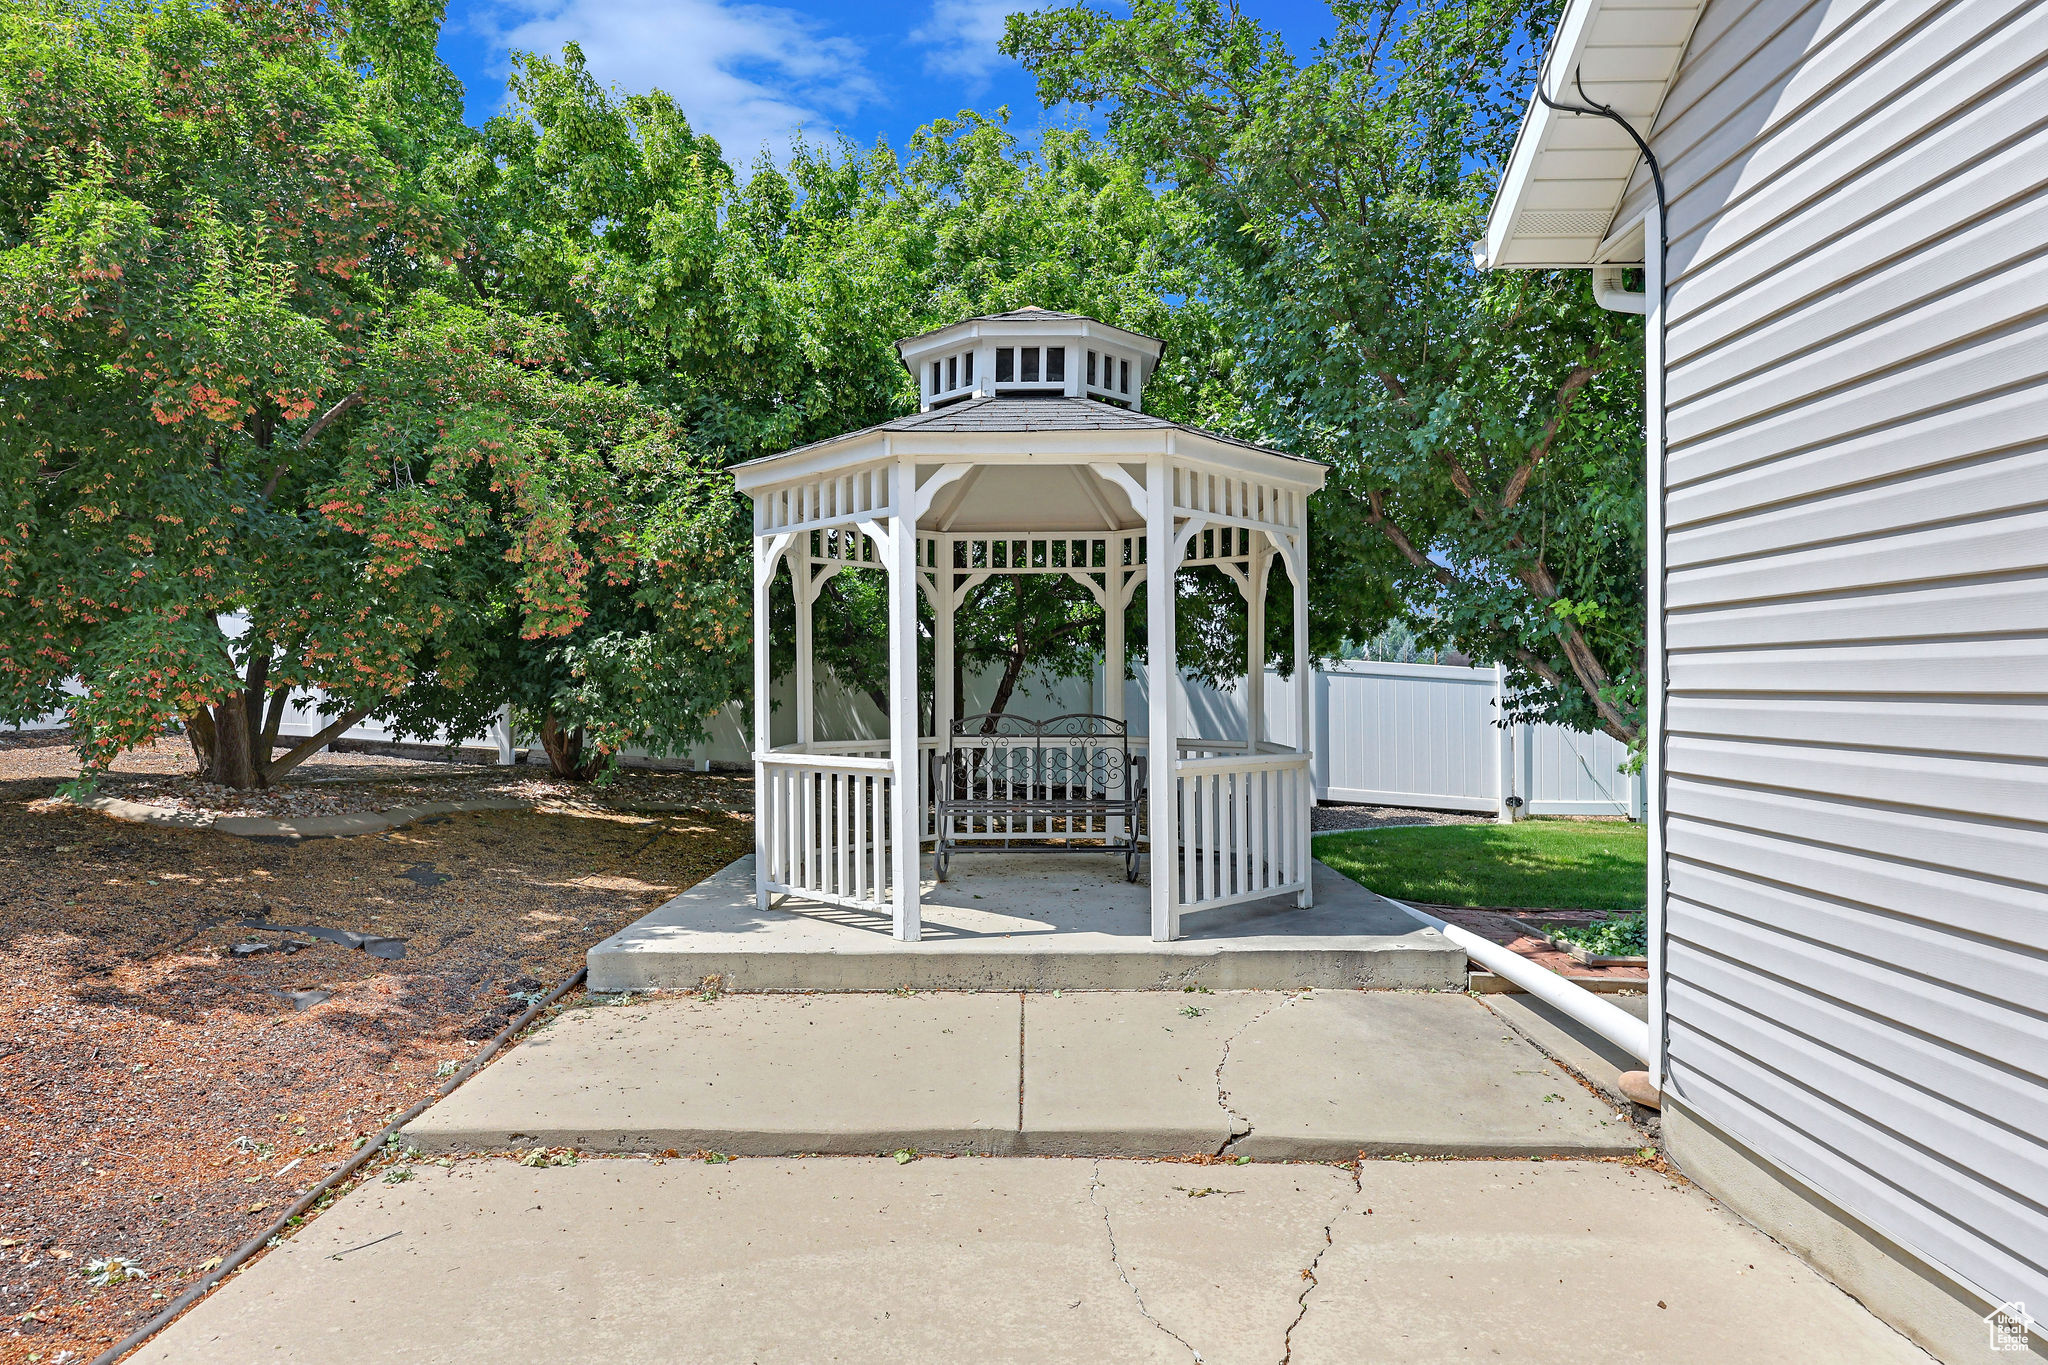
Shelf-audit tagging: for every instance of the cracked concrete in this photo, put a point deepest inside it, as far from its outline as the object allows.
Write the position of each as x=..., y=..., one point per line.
x=868, y=1262
x=1319, y=1075
x=1241, y=1126
x=1309, y=1274
x=1122, y=1274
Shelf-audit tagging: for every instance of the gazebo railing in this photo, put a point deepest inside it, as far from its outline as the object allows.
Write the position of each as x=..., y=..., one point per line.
x=1242, y=813
x=825, y=825
x=1243, y=827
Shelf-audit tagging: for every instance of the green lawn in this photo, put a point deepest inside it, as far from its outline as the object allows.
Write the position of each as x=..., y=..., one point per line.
x=1535, y=864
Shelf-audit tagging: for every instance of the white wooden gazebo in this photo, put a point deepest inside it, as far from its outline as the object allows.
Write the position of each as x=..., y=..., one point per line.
x=1030, y=454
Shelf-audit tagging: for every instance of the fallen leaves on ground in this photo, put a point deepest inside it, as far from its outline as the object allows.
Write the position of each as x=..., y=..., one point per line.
x=166, y=1098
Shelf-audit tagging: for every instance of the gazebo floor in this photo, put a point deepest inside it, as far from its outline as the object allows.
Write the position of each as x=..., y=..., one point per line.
x=1018, y=922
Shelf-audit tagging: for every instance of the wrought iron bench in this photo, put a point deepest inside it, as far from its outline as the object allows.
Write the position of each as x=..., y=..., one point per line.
x=1070, y=784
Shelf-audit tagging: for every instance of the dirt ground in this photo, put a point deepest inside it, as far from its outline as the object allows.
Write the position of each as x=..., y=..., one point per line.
x=162, y=1099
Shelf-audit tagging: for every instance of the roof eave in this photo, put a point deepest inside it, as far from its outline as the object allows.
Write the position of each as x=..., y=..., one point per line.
x=1605, y=43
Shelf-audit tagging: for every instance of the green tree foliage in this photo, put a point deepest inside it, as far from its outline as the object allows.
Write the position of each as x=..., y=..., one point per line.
x=233, y=381
x=763, y=308
x=1483, y=428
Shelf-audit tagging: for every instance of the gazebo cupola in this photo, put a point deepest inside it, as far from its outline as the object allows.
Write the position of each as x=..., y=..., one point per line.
x=1030, y=454
x=1030, y=351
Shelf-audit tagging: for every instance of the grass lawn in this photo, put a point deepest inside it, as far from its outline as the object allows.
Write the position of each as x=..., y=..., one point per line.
x=1532, y=864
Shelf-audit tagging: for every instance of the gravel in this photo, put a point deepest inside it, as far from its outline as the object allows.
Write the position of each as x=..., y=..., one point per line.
x=1333, y=817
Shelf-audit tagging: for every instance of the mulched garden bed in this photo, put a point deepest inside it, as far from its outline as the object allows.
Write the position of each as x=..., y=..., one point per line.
x=160, y=775
x=165, y=1098
x=1501, y=927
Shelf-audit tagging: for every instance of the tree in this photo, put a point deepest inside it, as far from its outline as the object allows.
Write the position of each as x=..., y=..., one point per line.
x=763, y=308
x=248, y=445
x=1484, y=429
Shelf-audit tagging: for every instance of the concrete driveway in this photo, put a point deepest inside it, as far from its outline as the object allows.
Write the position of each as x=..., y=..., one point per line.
x=1300, y=1075
x=635, y=1260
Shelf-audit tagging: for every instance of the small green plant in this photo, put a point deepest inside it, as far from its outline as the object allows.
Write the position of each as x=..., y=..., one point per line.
x=398, y=1175
x=1193, y=1011
x=1620, y=936
x=904, y=1156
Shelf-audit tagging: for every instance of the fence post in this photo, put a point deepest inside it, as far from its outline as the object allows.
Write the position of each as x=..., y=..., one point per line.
x=1505, y=768
x=501, y=733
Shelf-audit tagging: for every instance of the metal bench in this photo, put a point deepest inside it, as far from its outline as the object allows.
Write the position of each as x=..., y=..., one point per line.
x=1070, y=784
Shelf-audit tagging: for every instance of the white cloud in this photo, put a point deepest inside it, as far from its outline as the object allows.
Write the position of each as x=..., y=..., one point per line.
x=749, y=75
x=962, y=37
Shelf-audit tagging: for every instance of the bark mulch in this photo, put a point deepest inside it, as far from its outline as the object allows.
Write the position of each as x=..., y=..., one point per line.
x=161, y=1098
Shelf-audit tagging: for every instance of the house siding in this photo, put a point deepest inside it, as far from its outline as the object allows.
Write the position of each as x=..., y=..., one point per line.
x=1856, y=610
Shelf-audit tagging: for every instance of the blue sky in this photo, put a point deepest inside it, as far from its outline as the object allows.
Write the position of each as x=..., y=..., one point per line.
x=752, y=73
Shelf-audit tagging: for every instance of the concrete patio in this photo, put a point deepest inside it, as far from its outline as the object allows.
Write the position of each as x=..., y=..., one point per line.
x=1025, y=922
x=1303, y=1075
x=644, y=1262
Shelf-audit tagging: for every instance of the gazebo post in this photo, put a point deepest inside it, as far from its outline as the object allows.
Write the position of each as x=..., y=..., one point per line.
x=1304, y=705
x=1163, y=674
x=764, y=579
x=906, y=813
x=943, y=608
x=805, y=590
x=1255, y=643
x=1114, y=600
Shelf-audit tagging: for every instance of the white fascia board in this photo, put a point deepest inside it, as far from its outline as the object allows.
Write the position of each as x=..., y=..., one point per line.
x=974, y=329
x=1574, y=27
x=1192, y=447
x=1026, y=447
x=1624, y=246
x=836, y=457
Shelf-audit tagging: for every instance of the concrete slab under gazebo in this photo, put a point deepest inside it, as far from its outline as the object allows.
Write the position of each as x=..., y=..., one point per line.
x=1030, y=454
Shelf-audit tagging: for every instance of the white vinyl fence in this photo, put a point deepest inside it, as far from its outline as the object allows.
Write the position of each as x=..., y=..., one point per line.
x=1386, y=734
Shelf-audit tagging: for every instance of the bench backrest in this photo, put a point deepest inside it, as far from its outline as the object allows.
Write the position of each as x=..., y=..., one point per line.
x=1074, y=756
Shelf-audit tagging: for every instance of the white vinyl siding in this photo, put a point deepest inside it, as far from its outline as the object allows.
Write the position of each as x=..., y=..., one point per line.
x=1856, y=502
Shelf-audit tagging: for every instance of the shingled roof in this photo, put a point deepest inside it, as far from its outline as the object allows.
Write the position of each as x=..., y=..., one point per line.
x=1027, y=413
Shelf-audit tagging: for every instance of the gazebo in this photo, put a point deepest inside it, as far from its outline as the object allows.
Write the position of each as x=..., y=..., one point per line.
x=1030, y=454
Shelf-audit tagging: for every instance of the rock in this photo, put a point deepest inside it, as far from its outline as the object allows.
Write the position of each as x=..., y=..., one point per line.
x=303, y=1000
x=376, y=945
x=1636, y=1085
x=251, y=948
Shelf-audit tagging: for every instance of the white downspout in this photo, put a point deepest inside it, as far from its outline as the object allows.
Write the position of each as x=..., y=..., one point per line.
x=1649, y=302
x=1608, y=293
x=1653, y=640
x=1604, y=1017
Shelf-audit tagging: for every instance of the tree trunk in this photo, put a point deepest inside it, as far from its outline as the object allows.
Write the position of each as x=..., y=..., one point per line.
x=234, y=758
x=1013, y=672
x=565, y=752
x=199, y=734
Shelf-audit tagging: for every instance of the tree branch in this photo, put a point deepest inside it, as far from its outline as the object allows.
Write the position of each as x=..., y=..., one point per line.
x=312, y=433
x=1567, y=393
x=307, y=748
